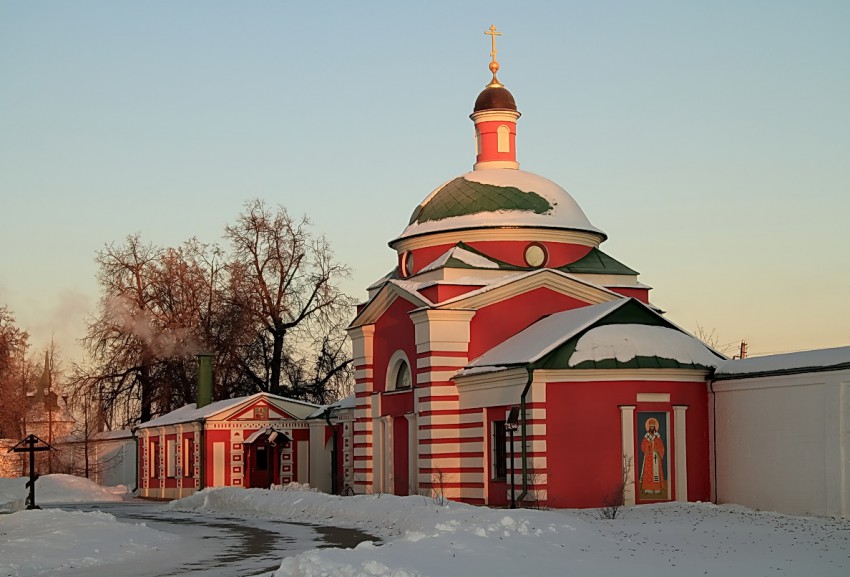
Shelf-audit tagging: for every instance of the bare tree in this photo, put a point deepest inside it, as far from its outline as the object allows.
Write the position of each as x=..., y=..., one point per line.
x=149, y=325
x=712, y=339
x=283, y=278
x=616, y=499
x=270, y=312
x=15, y=376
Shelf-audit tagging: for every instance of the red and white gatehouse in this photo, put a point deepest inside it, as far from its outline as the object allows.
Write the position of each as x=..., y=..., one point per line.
x=255, y=441
x=502, y=298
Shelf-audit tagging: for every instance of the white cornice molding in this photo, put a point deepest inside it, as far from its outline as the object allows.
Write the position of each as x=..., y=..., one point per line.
x=382, y=301
x=478, y=381
x=544, y=278
x=495, y=116
x=520, y=234
x=488, y=164
x=824, y=378
x=445, y=315
x=362, y=342
x=441, y=329
x=585, y=375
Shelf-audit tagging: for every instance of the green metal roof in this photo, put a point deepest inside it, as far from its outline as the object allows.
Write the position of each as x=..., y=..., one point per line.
x=462, y=197
x=594, y=262
x=597, y=262
x=632, y=312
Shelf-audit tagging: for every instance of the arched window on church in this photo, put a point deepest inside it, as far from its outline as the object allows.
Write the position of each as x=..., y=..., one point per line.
x=477, y=141
x=402, y=377
x=504, y=142
x=399, y=376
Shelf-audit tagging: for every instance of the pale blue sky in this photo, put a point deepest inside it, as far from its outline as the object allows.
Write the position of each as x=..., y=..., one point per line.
x=710, y=141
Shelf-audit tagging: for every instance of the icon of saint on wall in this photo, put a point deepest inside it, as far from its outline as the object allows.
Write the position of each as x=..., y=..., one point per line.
x=652, y=484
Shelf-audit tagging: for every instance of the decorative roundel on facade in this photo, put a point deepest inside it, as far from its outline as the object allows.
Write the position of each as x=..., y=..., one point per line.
x=406, y=264
x=535, y=255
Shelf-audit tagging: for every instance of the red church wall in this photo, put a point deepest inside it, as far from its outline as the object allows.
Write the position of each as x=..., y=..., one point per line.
x=509, y=251
x=488, y=131
x=397, y=404
x=513, y=252
x=640, y=294
x=497, y=322
x=444, y=292
x=584, y=438
x=422, y=257
x=396, y=332
x=497, y=489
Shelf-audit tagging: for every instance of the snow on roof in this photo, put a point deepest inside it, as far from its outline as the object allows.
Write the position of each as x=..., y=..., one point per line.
x=803, y=361
x=463, y=255
x=348, y=402
x=532, y=343
x=624, y=342
x=565, y=212
x=480, y=370
x=190, y=413
x=264, y=431
x=412, y=287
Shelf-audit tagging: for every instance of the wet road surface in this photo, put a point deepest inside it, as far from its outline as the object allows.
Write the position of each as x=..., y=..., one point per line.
x=215, y=546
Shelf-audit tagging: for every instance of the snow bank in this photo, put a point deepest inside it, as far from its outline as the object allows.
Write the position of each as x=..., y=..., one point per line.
x=423, y=538
x=49, y=541
x=55, y=489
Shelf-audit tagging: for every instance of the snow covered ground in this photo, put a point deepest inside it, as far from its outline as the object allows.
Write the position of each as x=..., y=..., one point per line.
x=424, y=538
x=55, y=489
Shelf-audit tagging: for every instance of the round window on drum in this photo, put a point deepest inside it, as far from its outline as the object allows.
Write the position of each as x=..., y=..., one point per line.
x=407, y=264
x=536, y=255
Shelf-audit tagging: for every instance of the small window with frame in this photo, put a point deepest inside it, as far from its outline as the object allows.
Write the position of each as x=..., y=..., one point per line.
x=500, y=451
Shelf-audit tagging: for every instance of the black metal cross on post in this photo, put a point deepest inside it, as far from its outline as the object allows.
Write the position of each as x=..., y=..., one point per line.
x=31, y=444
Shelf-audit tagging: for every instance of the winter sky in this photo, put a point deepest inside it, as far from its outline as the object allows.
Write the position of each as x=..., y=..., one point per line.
x=708, y=140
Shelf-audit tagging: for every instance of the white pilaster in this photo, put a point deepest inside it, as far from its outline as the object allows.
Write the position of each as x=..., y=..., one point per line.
x=627, y=429
x=680, y=450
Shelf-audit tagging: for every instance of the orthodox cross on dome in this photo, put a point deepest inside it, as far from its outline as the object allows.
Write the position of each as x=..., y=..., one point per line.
x=494, y=66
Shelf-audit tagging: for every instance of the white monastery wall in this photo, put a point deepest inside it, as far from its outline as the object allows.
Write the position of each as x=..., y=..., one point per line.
x=782, y=443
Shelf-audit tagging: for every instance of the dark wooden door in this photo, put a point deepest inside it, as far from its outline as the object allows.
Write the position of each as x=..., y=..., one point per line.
x=261, y=465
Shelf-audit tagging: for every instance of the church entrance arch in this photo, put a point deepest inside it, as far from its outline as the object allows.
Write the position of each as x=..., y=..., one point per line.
x=261, y=455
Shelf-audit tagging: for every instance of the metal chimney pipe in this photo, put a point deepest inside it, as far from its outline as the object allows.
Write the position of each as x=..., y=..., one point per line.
x=204, y=393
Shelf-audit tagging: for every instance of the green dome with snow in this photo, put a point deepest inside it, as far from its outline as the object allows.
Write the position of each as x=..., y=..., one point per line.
x=497, y=198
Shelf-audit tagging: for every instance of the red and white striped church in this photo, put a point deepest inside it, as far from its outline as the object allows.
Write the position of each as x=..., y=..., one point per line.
x=503, y=299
